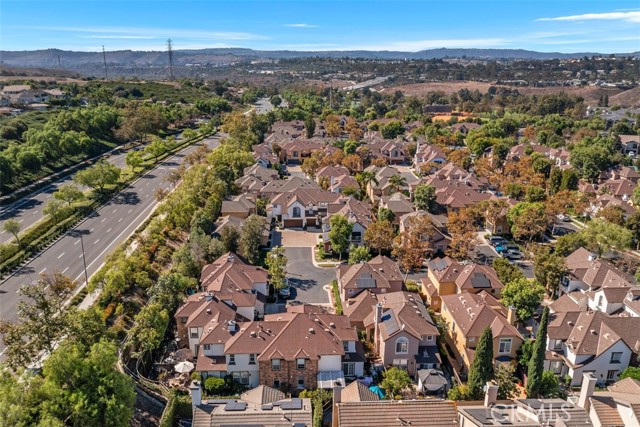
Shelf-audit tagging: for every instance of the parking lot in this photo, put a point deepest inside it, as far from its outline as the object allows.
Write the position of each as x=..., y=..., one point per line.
x=484, y=253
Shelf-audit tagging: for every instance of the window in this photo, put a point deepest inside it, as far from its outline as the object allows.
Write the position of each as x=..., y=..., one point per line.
x=295, y=154
x=402, y=345
x=345, y=346
x=349, y=369
x=400, y=363
x=276, y=384
x=232, y=359
x=296, y=212
x=616, y=356
x=356, y=236
x=300, y=363
x=252, y=359
x=429, y=337
x=600, y=300
x=183, y=320
x=611, y=375
x=557, y=345
x=207, y=346
x=241, y=377
x=300, y=383
x=556, y=367
x=193, y=332
x=505, y=345
x=275, y=364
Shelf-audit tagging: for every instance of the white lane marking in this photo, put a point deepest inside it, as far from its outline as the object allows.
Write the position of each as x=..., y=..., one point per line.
x=80, y=256
x=114, y=211
x=130, y=210
x=20, y=222
x=96, y=242
x=65, y=270
x=120, y=220
x=77, y=241
x=91, y=231
x=109, y=230
x=34, y=213
x=42, y=271
x=103, y=219
x=61, y=255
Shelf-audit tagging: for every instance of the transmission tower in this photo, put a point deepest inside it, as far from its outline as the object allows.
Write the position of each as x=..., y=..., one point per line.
x=170, y=52
x=104, y=58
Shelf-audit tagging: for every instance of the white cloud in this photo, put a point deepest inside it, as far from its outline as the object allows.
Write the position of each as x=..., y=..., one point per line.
x=633, y=17
x=112, y=36
x=301, y=25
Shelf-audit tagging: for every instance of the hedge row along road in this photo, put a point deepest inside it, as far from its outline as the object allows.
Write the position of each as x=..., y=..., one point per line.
x=101, y=232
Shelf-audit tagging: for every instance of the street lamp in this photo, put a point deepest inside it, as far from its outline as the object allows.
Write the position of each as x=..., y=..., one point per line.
x=84, y=261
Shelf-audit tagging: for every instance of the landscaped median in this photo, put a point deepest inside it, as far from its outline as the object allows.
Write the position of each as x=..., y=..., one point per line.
x=38, y=237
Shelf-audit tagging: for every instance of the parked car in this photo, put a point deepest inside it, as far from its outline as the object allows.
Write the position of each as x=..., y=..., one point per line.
x=512, y=254
x=497, y=240
x=507, y=247
x=286, y=291
x=564, y=218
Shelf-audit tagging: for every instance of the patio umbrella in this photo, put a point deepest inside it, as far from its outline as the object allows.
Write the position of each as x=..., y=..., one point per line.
x=377, y=390
x=183, y=367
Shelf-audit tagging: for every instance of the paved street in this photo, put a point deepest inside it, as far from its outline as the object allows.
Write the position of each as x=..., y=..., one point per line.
x=308, y=282
x=101, y=232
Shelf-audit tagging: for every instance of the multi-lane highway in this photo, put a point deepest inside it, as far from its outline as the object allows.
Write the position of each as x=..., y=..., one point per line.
x=28, y=210
x=101, y=232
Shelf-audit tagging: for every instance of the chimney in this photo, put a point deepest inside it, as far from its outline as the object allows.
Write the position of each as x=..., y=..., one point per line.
x=378, y=313
x=511, y=315
x=196, y=394
x=232, y=326
x=208, y=296
x=592, y=257
x=586, y=391
x=491, y=394
x=337, y=398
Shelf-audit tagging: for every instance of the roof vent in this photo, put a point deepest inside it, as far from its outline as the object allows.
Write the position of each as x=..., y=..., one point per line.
x=312, y=331
x=593, y=332
x=253, y=334
x=208, y=311
x=333, y=325
x=570, y=323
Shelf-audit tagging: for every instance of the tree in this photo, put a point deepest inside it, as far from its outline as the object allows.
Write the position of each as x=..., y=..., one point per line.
x=230, y=237
x=391, y=129
x=312, y=163
x=98, y=176
x=504, y=377
x=277, y=264
x=524, y=354
x=12, y=226
x=536, y=364
x=528, y=220
x=408, y=250
x=396, y=182
x=524, y=296
x=481, y=371
x=358, y=254
x=385, y=214
x=614, y=214
x=550, y=387
x=463, y=227
x=425, y=197
x=630, y=372
x=340, y=233
x=251, y=237
x=69, y=193
x=506, y=271
x=379, y=236
x=602, y=236
x=156, y=148
x=133, y=160
x=395, y=381
x=45, y=299
x=54, y=209
x=570, y=180
x=214, y=386
x=549, y=268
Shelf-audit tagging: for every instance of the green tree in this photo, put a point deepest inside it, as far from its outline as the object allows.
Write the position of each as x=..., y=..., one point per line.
x=535, y=194
x=550, y=387
x=555, y=181
x=458, y=392
x=156, y=148
x=391, y=129
x=504, y=377
x=524, y=295
x=134, y=160
x=379, y=236
x=506, y=271
x=149, y=329
x=12, y=226
x=528, y=220
x=425, y=197
x=251, y=237
x=396, y=182
x=524, y=354
x=98, y=176
x=340, y=233
x=54, y=209
x=630, y=372
x=309, y=126
x=358, y=254
x=230, y=238
x=69, y=193
x=602, y=236
x=277, y=264
x=570, y=180
x=481, y=371
x=536, y=363
x=385, y=214
x=395, y=381
x=549, y=268
x=214, y=386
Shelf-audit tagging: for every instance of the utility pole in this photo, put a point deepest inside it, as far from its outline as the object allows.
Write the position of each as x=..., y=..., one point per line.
x=84, y=261
x=104, y=59
x=59, y=63
x=170, y=52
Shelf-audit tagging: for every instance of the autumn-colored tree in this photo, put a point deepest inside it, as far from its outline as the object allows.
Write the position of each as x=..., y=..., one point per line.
x=379, y=236
x=353, y=162
x=311, y=164
x=463, y=227
x=612, y=213
x=332, y=126
x=354, y=130
x=528, y=220
x=408, y=250
x=333, y=159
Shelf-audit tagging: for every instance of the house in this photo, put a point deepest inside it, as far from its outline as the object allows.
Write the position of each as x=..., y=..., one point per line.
x=261, y=406
x=224, y=222
x=358, y=213
x=330, y=174
x=438, y=240
x=383, y=184
x=264, y=155
x=428, y=158
x=452, y=198
x=379, y=275
x=467, y=315
x=392, y=151
x=300, y=208
x=230, y=273
x=342, y=183
x=294, y=152
x=619, y=405
x=603, y=200
x=620, y=187
x=239, y=206
x=255, y=178
x=397, y=203
x=630, y=144
x=632, y=302
x=279, y=186
x=626, y=172
x=15, y=89
x=586, y=272
x=591, y=341
x=464, y=128
x=447, y=277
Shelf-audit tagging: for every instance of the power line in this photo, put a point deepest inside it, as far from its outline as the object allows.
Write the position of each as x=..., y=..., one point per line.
x=170, y=52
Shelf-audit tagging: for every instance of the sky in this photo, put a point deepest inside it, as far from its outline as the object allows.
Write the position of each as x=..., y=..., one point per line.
x=605, y=26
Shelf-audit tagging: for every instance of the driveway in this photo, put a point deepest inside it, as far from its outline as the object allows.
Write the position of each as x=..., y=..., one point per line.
x=309, y=283
x=296, y=171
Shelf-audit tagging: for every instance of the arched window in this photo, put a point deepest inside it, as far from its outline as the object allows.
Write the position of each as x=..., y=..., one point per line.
x=402, y=345
x=296, y=212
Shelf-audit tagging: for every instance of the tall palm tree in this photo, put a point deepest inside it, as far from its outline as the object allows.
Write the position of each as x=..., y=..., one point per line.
x=364, y=178
x=396, y=182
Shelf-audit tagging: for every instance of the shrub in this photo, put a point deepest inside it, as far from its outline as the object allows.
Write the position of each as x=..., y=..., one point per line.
x=336, y=297
x=214, y=386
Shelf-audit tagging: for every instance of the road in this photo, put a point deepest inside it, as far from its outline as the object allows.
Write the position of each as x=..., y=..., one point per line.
x=101, y=232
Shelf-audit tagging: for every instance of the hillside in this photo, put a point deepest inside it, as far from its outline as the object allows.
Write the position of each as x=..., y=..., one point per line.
x=628, y=98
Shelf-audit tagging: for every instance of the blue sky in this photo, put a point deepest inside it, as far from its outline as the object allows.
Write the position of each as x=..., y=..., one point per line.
x=549, y=26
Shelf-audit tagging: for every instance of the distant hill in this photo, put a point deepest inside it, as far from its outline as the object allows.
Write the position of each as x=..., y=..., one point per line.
x=55, y=58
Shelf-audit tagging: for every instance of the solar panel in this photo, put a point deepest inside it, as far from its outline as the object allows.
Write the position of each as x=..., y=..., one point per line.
x=480, y=281
x=292, y=404
x=267, y=407
x=235, y=406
